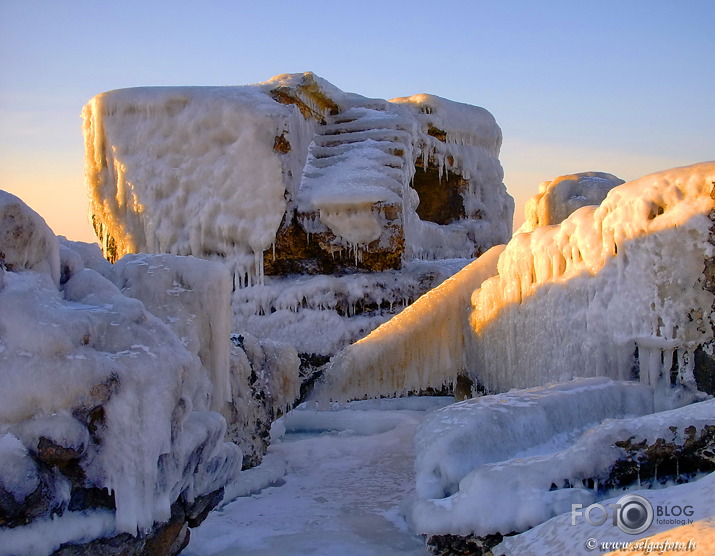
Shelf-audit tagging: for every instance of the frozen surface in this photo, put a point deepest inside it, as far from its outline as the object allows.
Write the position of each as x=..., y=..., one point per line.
x=596, y=295
x=453, y=441
x=497, y=487
x=332, y=485
x=192, y=296
x=72, y=347
x=601, y=287
x=323, y=314
x=28, y=242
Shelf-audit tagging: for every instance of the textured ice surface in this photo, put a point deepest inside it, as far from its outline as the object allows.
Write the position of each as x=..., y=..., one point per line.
x=336, y=489
x=85, y=346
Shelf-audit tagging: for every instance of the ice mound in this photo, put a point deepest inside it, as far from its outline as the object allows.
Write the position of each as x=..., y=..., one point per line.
x=599, y=294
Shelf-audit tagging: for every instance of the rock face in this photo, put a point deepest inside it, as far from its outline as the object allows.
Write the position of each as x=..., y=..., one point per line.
x=106, y=413
x=293, y=176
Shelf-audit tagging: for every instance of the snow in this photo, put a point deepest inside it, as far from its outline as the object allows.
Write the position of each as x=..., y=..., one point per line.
x=28, y=242
x=191, y=295
x=323, y=314
x=44, y=536
x=559, y=536
x=458, y=438
x=498, y=488
x=19, y=471
x=152, y=151
x=601, y=285
x=333, y=484
x=103, y=349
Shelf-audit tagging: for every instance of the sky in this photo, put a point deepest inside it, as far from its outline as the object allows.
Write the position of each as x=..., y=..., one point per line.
x=626, y=87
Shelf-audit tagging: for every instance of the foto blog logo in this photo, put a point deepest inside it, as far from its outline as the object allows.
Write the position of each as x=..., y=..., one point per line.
x=632, y=514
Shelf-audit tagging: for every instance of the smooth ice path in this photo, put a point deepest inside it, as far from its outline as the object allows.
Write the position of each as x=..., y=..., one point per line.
x=332, y=484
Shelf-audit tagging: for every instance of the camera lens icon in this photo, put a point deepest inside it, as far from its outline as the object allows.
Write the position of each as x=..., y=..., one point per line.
x=634, y=514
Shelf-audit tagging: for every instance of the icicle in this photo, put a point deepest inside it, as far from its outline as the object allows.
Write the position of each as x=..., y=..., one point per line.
x=274, y=250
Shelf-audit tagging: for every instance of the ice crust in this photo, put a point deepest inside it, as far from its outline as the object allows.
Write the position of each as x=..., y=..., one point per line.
x=560, y=197
x=421, y=347
x=324, y=314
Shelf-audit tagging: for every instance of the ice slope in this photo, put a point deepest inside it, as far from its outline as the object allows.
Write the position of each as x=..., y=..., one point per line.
x=421, y=347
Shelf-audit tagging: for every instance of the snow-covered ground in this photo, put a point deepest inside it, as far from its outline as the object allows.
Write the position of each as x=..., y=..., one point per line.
x=333, y=484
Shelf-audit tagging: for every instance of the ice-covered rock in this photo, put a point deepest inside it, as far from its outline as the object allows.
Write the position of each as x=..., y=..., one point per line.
x=26, y=241
x=558, y=198
x=192, y=296
x=100, y=404
x=293, y=175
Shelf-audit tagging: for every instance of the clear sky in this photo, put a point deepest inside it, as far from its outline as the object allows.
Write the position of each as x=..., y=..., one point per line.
x=626, y=87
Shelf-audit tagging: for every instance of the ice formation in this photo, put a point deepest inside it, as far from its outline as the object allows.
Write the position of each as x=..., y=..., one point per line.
x=191, y=295
x=293, y=170
x=558, y=198
x=124, y=398
x=421, y=347
x=596, y=295
x=546, y=459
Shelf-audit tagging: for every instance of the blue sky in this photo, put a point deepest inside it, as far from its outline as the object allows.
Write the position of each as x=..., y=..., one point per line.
x=626, y=87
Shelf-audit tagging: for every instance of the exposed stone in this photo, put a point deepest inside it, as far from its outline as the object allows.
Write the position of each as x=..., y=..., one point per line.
x=456, y=545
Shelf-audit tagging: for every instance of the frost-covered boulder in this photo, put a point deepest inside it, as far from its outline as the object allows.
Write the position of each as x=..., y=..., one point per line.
x=293, y=175
x=558, y=198
x=26, y=241
x=104, y=431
